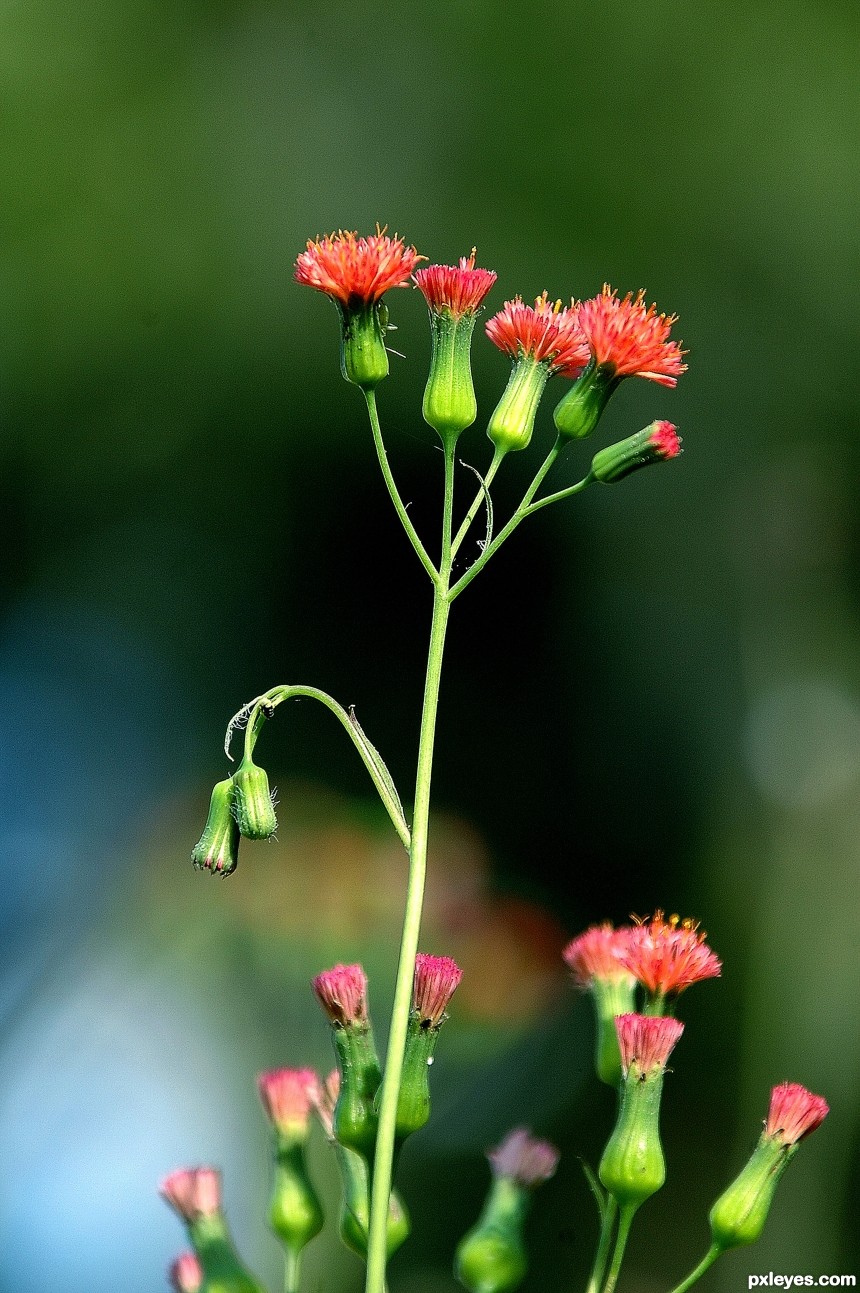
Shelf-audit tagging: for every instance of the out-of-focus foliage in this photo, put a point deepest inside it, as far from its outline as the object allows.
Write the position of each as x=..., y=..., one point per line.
x=652, y=696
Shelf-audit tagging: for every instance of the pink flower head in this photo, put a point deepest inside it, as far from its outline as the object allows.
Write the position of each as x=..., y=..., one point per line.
x=342, y=992
x=186, y=1274
x=325, y=1100
x=794, y=1112
x=596, y=955
x=667, y=956
x=288, y=1095
x=193, y=1192
x=436, y=980
x=631, y=338
x=459, y=289
x=356, y=271
x=646, y=1040
x=664, y=440
x=544, y=332
x=524, y=1158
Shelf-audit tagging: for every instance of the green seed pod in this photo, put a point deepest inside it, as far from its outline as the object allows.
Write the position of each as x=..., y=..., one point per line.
x=449, y=397
x=491, y=1258
x=217, y=850
x=355, y=1207
x=355, y=1115
x=252, y=802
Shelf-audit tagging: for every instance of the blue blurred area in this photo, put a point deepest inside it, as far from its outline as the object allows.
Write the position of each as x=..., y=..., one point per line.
x=652, y=699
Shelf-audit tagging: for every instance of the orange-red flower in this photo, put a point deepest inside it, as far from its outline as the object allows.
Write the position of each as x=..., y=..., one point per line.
x=794, y=1112
x=595, y=954
x=356, y=271
x=544, y=332
x=630, y=338
x=288, y=1095
x=646, y=1040
x=459, y=289
x=667, y=956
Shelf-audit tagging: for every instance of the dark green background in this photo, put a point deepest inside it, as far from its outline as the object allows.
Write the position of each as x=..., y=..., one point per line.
x=652, y=697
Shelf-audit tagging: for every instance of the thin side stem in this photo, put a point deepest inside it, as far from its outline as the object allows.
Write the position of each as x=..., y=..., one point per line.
x=704, y=1265
x=607, y=1226
x=562, y=493
x=292, y=1271
x=399, y=505
x=479, y=499
x=390, y=1089
x=627, y=1215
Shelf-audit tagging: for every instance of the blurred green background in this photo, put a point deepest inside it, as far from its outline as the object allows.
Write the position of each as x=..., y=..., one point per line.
x=652, y=697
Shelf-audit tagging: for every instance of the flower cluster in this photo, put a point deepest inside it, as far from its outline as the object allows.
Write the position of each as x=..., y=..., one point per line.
x=664, y=956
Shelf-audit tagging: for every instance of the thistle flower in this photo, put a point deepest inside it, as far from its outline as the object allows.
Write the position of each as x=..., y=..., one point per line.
x=646, y=1042
x=436, y=980
x=355, y=273
x=739, y=1214
x=594, y=959
x=342, y=993
x=668, y=956
x=185, y=1274
x=193, y=1192
x=524, y=1158
x=453, y=294
x=542, y=339
x=288, y=1096
x=656, y=443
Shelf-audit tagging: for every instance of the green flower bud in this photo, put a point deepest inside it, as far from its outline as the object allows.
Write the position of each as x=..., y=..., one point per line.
x=217, y=850
x=295, y=1212
x=252, y=801
x=223, y=1271
x=578, y=413
x=513, y=419
x=449, y=396
x=342, y=993
x=612, y=997
x=363, y=356
x=656, y=443
x=355, y=1207
x=435, y=982
x=490, y=1260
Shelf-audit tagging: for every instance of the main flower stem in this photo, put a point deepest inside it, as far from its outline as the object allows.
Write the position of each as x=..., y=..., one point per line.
x=390, y=1089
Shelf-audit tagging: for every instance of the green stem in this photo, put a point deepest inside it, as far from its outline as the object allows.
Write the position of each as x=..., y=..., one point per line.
x=560, y=494
x=627, y=1215
x=607, y=1225
x=704, y=1265
x=399, y=506
x=525, y=507
x=390, y=1089
x=479, y=499
x=292, y=1271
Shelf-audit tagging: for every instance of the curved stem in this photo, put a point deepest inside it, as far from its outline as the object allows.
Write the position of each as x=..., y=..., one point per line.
x=705, y=1264
x=370, y=756
x=607, y=1225
x=479, y=499
x=562, y=493
x=627, y=1215
x=390, y=1090
x=399, y=505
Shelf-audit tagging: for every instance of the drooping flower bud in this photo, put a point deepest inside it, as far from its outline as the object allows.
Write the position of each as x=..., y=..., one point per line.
x=593, y=958
x=453, y=294
x=626, y=339
x=185, y=1274
x=195, y=1195
x=542, y=340
x=217, y=850
x=252, y=801
x=435, y=982
x=739, y=1215
x=656, y=443
x=492, y=1257
x=355, y=273
x=632, y=1167
x=295, y=1211
x=667, y=957
x=342, y=992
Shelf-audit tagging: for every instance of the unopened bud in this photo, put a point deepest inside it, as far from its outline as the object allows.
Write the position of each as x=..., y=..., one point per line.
x=217, y=850
x=655, y=443
x=342, y=992
x=436, y=980
x=252, y=801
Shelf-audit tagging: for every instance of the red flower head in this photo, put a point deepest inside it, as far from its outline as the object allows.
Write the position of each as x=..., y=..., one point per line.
x=524, y=1158
x=596, y=955
x=342, y=992
x=794, y=1113
x=630, y=338
x=668, y=956
x=664, y=440
x=193, y=1192
x=646, y=1041
x=543, y=332
x=356, y=271
x=459, y=289
x=288, y=1095
x=436, y=980
x=186, y=1274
